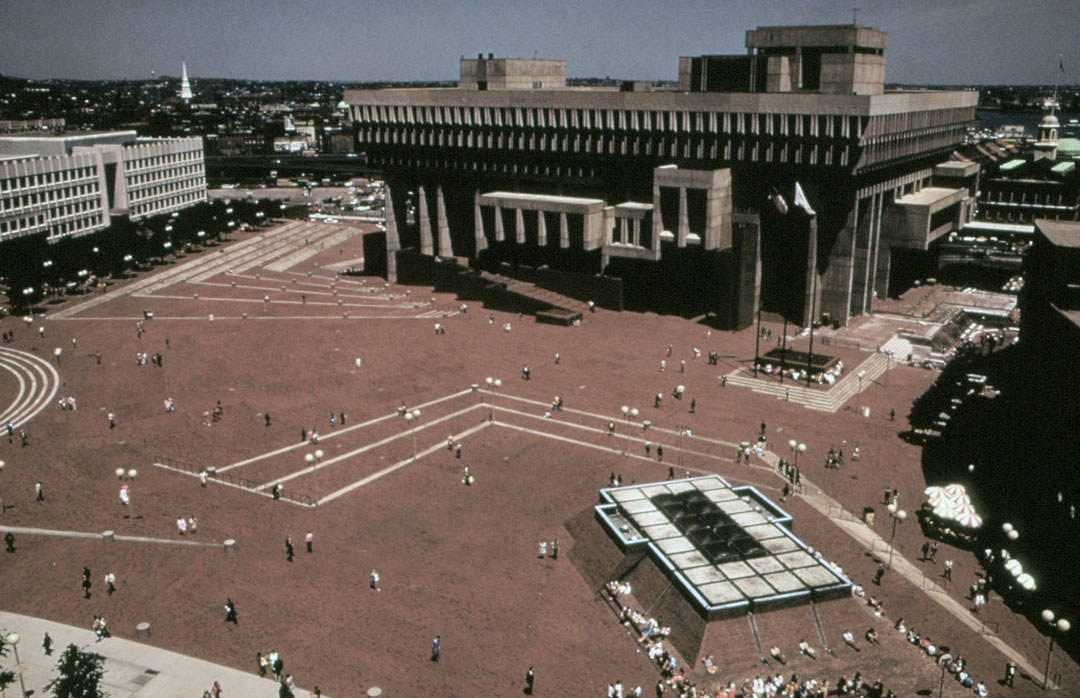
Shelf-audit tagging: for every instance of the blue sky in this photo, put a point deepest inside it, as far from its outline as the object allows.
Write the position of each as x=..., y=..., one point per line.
x=930, y=41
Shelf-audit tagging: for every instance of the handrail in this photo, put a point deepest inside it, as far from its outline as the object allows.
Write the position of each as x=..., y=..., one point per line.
x=242, y=482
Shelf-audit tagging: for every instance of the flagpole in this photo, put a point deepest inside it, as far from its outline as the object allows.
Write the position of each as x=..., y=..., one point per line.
x=783, y=351
x=757, y=340
x=813, y=300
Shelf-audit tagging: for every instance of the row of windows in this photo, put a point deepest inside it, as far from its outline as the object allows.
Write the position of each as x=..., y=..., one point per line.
x=821, y=125
x=47, y=197
x=135, y=180
x=168, y=203
x=134, y=163
x=35, y=223
x=702, y=148
x=164, y=190
x=14, y=184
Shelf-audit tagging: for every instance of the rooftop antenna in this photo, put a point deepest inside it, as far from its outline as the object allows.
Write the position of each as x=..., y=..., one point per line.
x=535, y=52
x=854, y=15
x=1057, y=79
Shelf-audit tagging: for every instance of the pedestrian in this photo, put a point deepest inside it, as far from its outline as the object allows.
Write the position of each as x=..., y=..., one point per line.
x=693, y=405
x=39, y=489
x=41, y=331
x=288, y=548
x=308, y=539
x=112, y=420
x=86, y=584
x=611, y=428
x=926, y=545
x=555, y=549
x=763, y=428
x=110, y=579
x=525, y=373
x=723, y=381
x=888, y=498
x=947, y=574
x=193, y=525
x=1010, y=671
x=374, y=580
x=9, y=540
x=230, y=612
x=557, y=357
x=333, y=420
x=663, y=365
x=879, y=574
x=658, y=400
x=267, y=417
x=303, y=434
x=671, y=472
x=892, y=415
x=659, y=453
x=543, y=549
x=342, y=420
x=457, y=450
x=47, y=643
x=202, y=478
x=682, y=366
x=435, y=649
x=933, y=547
x=181, y=525
x=530, y=677
x=261, y=661
x=648, y=448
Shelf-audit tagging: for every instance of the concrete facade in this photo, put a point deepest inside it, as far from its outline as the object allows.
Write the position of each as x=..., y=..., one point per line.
x=698, y=158
x=72, y=184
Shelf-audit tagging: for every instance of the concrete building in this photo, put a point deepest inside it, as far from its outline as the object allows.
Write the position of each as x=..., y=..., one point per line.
x=671, y=193
x=69, y=184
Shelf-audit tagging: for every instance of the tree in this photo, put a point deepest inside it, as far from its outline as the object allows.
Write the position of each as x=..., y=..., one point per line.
x=80, y=673
x=7, y=677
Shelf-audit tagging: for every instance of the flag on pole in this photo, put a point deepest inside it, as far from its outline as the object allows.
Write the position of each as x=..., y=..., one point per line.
x=801, y=200
x=1061, y=64
x=779, y=202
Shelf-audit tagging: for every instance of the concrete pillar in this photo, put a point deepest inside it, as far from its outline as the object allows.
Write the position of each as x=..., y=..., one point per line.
x=836, y=282
x=541, y=229
x=142, y=631
x=881, y=277
x=426, y=245
x=500, y=235
x=442, y=224
x=564, y=231
x=519, y=226
x=684, y=219
x=478, y=225
x=393, y=240
x=108, y=537
x=230, y=545
x=812, y=294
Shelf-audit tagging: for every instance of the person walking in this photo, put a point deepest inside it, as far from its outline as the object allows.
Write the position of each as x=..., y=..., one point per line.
x=288, y=548
x=39, y=491
x=435, y=648
x=308, y=539
x=230, y=612
x=1010, y=672
x=947, y=574
x=86, y=583
x=46, y=644
x=530, y=677
x=110, y=579
x=373, y=580
x=112, y=420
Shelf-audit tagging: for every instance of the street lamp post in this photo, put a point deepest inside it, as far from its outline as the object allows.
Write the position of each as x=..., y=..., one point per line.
x=1048, y=616
x=57, y=352
x=897, y=515
x=13, y=640
x=630, y=413
x=796, y=448
x=314, y=459
x=493, y=384
x=412, y=417
x=130, y=475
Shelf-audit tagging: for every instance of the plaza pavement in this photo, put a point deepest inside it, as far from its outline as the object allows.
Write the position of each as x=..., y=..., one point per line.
x=132, y=669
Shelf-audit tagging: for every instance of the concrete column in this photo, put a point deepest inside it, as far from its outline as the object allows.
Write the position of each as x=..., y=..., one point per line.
x=860, y=259
x=636, y=235
x=442, y=224
x=564, y=231
x=393, y=240
x=478, y=225
x=142, y=631
x=657, y=219
x=519, y=226
x=881, y=277
x=499, y=234
x=108, y=537
x=875, y=251
x=684, y=219
x=836, y=282
x=541, y=229
x=426, y=245
x=812, y=293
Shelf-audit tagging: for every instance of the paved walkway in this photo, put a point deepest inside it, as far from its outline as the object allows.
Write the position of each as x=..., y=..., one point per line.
x=132, y=669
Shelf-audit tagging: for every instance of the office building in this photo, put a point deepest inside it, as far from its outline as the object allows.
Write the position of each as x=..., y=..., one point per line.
x=671, y=192
x=60, y=184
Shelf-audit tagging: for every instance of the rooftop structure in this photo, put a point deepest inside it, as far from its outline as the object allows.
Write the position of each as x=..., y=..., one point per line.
x=686, y=178
x=185, y=86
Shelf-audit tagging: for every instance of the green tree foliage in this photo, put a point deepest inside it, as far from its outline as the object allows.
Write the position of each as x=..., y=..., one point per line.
x=79, y=675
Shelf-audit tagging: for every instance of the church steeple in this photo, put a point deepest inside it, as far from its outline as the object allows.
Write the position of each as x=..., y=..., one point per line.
x=185, y=86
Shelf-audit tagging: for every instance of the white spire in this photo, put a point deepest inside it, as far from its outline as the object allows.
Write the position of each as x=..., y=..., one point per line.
x=185, y=86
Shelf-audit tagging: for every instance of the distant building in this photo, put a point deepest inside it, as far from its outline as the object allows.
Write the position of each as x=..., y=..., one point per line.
x=669, y=195
x=70, y=184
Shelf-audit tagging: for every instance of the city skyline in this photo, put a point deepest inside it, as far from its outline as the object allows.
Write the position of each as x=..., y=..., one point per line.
x=963, y=42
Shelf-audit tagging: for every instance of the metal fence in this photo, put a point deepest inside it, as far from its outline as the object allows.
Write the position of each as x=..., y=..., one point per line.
x=236, y=481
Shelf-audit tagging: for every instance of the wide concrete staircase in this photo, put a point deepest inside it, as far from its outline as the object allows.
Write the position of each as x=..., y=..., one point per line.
x=531, y=290
x=832, y=398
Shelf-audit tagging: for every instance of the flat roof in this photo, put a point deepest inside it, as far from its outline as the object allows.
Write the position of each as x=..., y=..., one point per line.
x=69, y=135
x=928, y=196
x=1061, y=233
x=545, y=198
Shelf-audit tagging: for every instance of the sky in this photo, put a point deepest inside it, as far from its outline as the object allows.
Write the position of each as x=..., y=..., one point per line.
x=930, y=41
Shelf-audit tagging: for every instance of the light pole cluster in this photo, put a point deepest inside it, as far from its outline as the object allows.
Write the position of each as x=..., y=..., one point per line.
x=796, y=448
x=860, y=375
x=631, y=414
x=897, y=515
x=493, y=385
x=1059, y=625
x=122, y=474
x=13, y=640
x=314, y=459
